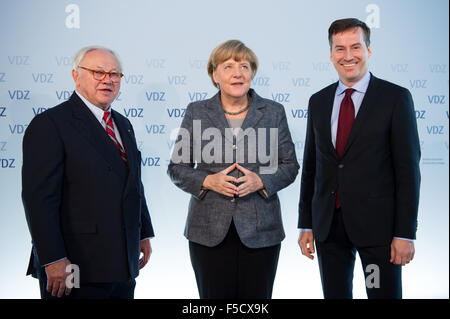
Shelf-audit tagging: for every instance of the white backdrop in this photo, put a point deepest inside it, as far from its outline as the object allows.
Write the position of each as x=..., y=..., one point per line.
x=164, y=47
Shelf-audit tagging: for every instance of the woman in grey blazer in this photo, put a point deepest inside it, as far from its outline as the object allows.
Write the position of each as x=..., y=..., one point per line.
x=234, y=152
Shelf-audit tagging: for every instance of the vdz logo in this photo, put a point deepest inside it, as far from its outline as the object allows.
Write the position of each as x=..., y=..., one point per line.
x=261, y=81
x=19, y=94
x=281, y=66
x=2, y=111
x=420, y=114
x=435, y=130
x=156, y=96
x=436, y=99
x=118, y=98
x=63, y=61
x=198, y=64
x=299, y=113
x=177, y=79
x=156, y=63
x=418, y=84
x=321, y=66
x=197, y=96
x=301, y=82
x=19, y=60
x=281, y=97
x=134, y=112
x=401, y=68
x=176, y=112
x=155, y=128
x=8, y=162
x=63, y=95
x=137, y=79
x=438, y=68
x=42, y=77
x=151, y=161
x=3, y=146
x=38, y=110
x=17, y=128
x=2, y=77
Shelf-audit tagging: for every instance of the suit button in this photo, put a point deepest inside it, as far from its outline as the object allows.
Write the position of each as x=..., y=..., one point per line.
x=233, y=200
x=234, y=147
x=333, y=193
x=341, y=166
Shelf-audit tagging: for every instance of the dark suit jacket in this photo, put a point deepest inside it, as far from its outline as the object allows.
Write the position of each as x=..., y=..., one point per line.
x=257, y=218
x=80, y=199
x=378, y=175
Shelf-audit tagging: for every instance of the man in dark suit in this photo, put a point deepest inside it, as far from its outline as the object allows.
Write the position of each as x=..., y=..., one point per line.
x=360, y=179
x=82, y=191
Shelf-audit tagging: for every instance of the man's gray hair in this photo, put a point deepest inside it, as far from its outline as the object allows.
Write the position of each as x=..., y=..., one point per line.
x=82, y=52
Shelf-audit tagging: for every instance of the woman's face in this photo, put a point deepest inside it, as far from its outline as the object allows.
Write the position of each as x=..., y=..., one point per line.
x=233, y=77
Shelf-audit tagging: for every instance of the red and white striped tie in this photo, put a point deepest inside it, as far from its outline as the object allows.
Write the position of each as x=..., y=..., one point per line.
x=110, y=129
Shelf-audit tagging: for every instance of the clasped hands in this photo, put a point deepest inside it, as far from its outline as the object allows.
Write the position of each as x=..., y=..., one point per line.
x=224, y=184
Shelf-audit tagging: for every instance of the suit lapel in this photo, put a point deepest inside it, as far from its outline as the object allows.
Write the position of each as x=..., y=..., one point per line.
x=329, y=102
x=367, y=103
x=216, y=114
x=255, y=113
x=88, y=126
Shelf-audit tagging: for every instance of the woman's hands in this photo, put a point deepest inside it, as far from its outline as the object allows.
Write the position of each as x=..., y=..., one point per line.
x=224, y=184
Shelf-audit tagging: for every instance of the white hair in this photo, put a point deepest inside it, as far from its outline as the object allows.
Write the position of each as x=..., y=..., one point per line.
x=82, y=52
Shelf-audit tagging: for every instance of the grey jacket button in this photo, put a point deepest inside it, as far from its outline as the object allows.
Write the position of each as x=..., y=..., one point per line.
x=341, y=165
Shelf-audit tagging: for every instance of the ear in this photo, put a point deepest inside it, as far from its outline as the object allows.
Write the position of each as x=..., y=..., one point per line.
x=215, y=77
x=369, y=51
x=75, y=76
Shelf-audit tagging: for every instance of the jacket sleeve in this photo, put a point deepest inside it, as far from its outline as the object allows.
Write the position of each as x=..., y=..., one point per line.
x=287, y=165
x=42, y=178
x=181, y=169
x=405, y=148
x=308, y=175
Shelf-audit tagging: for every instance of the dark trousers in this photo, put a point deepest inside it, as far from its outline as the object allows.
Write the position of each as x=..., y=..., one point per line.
x=117, y=290
x=234, y=271
x=336, y=257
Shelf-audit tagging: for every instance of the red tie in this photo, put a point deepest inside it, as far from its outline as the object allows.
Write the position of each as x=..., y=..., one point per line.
x=110, y=129
x=345, y=122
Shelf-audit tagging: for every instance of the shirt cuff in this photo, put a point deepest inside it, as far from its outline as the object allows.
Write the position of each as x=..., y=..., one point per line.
x=305, y=230
x=53, y=262
x=410, y=240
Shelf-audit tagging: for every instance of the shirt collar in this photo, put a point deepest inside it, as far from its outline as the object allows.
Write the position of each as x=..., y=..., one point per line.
x=98, y=112
x=360, y=86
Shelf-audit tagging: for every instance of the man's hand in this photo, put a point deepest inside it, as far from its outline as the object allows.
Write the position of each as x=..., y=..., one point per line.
x=221, y=182
x=306, y=243
x=56, y=278
x=402, y=251
x=251, y=182
x=146, y=249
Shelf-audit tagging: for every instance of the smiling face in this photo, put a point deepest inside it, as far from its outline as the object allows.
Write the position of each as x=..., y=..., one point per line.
x=100, y=93
x=350, y=54
x=234, y=78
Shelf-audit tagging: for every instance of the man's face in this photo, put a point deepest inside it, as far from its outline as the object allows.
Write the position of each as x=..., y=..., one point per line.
x=349, y=54
x=101, y=93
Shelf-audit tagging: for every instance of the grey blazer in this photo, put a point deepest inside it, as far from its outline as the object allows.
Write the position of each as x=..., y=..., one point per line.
x=257, y=216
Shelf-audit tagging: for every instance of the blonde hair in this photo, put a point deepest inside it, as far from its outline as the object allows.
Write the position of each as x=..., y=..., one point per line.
x=231, y=49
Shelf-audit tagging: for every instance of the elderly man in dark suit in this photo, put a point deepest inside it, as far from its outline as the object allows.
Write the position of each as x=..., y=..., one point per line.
x=82, y=191
x=360, y=179
x=234, y=223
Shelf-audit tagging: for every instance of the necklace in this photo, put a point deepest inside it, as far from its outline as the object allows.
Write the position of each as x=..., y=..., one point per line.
x=238, y=112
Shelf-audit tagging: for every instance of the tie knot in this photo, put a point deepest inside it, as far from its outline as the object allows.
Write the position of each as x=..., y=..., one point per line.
x=349, y=92
x=106, y=116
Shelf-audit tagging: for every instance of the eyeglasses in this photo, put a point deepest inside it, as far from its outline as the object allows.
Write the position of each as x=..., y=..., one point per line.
x=100, y=75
